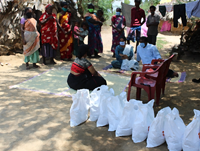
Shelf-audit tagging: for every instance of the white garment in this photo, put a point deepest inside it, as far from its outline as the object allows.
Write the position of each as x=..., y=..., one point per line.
x=127, y=50
x=191, y=8
x=169, y=8
x=129, y=64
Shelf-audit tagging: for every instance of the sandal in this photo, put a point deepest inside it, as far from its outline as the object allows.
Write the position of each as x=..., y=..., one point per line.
x=196, y=81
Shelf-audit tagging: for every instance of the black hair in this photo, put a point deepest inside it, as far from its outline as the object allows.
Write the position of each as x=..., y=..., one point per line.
x=118, y=8
x=62, y=4
x=82, y=50
x=90, y=5
x=84, y=24
x=100, y=11
x=145, y=39
x=138, y=1
x=153, y=7
x=26, y=9
x=123, y=38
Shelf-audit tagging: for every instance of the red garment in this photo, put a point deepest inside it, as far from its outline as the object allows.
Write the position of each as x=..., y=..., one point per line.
x=136, y=16
x=113, y=19
x=66, y=41
x=49, y=30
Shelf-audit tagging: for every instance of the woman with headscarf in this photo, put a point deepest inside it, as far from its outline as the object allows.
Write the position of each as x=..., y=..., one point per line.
x=94, y=36
x=30, y=38
x=65, y=39
x=49, y=34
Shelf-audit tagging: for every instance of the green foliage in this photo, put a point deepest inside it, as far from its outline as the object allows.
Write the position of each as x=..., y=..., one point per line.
x=145, y=5
x=127, y=1
x=160, y=43
x=105, y=5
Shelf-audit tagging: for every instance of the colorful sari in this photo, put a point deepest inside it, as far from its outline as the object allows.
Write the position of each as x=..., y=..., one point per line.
x=94, y=35
x=32, y=38
x=66, y=41
x=118, y=22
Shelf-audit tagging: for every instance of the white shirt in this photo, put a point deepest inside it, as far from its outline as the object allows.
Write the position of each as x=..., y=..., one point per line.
x=147, y=54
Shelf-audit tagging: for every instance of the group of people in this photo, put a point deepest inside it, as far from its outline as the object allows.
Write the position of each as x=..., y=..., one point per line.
x=58, y=32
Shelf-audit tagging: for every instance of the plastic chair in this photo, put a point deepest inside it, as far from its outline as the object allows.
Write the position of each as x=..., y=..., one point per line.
x=154, y=76
x=149, y=85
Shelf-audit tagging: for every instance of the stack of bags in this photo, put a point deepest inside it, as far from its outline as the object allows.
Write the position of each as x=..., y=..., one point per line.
x=136, y=119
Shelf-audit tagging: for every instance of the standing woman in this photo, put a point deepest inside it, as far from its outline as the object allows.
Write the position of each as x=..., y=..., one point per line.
x=94, y=36
x=118, y=25
x=30, y=38
x=49, y=34
x=66, y=37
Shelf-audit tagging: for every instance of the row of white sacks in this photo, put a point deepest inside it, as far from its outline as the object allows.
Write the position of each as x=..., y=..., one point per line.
x=136, y=119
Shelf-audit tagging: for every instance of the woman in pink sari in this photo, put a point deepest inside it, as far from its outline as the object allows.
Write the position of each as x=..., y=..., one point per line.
x=31, y=41
x=118, y=25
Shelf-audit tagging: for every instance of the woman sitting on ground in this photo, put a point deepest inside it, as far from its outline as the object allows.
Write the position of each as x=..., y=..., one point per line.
x=124, y=57
x=83, y=75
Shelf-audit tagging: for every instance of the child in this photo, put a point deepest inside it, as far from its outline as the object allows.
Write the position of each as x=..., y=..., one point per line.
x=76, y=37
x=100, y=15
x=83, y=33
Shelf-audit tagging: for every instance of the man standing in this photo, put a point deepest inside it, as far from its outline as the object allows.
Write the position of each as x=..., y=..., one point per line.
x=152, y=24
x=137, y=14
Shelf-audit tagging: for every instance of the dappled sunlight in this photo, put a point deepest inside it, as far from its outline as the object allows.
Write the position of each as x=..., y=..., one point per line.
x=32, y=121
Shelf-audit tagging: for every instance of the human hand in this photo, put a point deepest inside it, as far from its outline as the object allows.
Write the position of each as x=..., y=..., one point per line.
x=50, y=17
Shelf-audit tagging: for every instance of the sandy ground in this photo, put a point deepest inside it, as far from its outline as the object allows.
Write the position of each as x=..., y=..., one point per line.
x=31, y=121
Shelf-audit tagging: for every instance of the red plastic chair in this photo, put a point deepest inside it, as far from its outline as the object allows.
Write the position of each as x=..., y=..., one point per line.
x=154, y=76
x=149, y=85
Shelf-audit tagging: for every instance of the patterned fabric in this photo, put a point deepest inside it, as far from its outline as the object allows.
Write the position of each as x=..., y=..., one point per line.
x=80, y=65
x=118, y=22
x=31, y=36
x=66, y=40
x=49, y=30
x=94, y=36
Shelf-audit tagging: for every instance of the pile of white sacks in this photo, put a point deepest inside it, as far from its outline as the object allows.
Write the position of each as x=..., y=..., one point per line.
x=136, y=119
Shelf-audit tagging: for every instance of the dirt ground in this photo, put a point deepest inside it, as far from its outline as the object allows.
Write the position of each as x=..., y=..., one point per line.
x=31, y=121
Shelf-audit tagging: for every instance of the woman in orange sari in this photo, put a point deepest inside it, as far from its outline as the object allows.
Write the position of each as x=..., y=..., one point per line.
x=31, y=40
x=65, y=38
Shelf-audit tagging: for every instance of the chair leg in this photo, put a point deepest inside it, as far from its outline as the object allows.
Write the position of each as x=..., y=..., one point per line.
x=158, y=92
x=152, y=93
x=129, y=92
x=163, y=87
x=138, y=94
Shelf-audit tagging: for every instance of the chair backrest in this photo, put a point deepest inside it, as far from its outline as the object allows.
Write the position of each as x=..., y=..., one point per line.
x=169, y=60
x=161, y=72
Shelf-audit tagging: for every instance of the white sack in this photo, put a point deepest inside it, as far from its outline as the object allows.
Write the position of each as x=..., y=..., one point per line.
x=191, y=138
x=115, y=108
x=156, y=132
x=124, y=127
x=128, y=64
x=95, y=98
x=80, y=107
x=173, y=130
x=103, y=112
x=144, y=115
